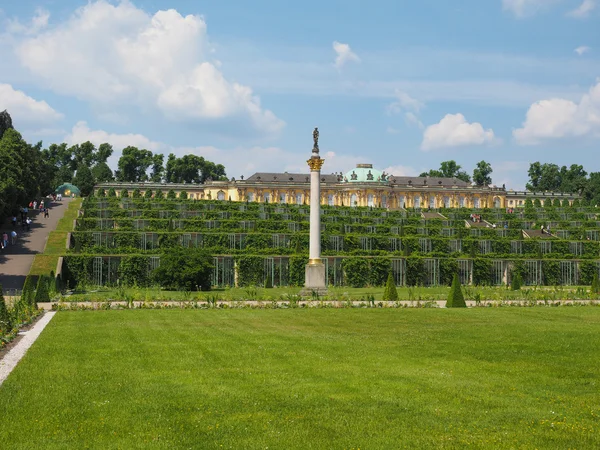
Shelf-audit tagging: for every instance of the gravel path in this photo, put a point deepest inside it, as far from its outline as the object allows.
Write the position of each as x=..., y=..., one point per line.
x=12, y=358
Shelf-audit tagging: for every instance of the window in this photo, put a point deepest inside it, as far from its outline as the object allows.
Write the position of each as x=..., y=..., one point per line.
x=353, y=201
x=370, y=200
x=496, y=203
x=402, y=201
x=220, y=195
x=417, y=201
x=281, y=198
x=432, y=202
x=384, y=201
x=461, y=202
x=250, y=196
x=267, y=197
x=476, y=202
x=298, y=199
x=330, y=200
x=446, y=202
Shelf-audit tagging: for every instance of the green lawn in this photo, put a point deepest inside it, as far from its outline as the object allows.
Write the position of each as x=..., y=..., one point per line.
x=320, y=378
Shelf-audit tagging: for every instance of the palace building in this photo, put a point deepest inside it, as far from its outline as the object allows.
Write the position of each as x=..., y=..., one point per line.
x=362, y=186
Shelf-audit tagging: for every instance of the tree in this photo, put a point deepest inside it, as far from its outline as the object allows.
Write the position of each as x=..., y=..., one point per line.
x=515, y=281
x=171, y=194
x=390, y=293
x=133, y=165
x=101, y=192
x=157, y=168
x=192, y=169
x=159, y=194
x=456, y=298
x=84, y=180
x=185, y=269
x=104, y=152
x=124, y=193
x=102, y=173
x=136, y=193
x=112, y=193
x=595, y=284
x=448, y=169
x=28, y=292
x=183, y=195
x=148, y=193
x=481, y=174
x=41, y=291
x=6, y=324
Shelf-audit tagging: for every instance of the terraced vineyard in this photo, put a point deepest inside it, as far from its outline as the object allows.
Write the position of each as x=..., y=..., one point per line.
x=120, y=241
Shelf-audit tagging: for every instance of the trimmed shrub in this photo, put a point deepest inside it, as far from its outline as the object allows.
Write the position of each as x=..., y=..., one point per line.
x=136, y=193
x=269, y=281
x=41, y=292
x=183, y=195
x=101, y=192
x=390, y=293
x=515, y=281
x=148, y=193
x=185, y=269
x=5, y=320
x=159, y=195
x=124, y=193
x=456, y=298
x=112, y=193
x=28, y=294
x=171, y=194
x=595, y=284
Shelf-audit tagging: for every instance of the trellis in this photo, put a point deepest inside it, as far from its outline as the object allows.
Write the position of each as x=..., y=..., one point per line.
x=485, y=246
x=569, y=273
x=399, y=271
x=425, y=245
x=533, y=273
x=545, y=247
x=455, y=245
x=576, y=248
x=432, y=271
x=465, y=271
x=499, y=272
x=516, y=247
x=395, y=244
x=336, y=243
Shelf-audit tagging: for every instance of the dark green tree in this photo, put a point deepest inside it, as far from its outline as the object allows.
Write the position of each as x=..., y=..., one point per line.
x=448, y=169
x=159, y=194
x=102, y=173
x=124, y=193
x=171, y=194
x=456, y=298
x=41, y=292
x=112, y=193
x=184, y=269
x=133, y=165
x=148, y=193
x=481, y=174
x=6, y=324
x=157, y=168
x=84, y=180
x=183, y=195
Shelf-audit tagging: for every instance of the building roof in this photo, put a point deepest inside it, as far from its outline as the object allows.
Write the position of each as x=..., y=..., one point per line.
x=364, y=173
x=428, y=181
x=285, y=177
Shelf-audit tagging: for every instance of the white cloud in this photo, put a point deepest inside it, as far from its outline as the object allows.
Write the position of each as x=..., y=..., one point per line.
x=39, y=21
x=392, y=130
x=24, y=109
x=344, y=54
x=403, y=102
x=581, y=50
x=559, y=118
x=400, y=171
x=116, y=55
x=523, y=8
x=81, y=132
x=412, y=119
x=583, y=10
x=454, y=131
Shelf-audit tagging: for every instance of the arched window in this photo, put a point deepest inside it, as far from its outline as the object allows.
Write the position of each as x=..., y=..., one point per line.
x=370, y=200
x=250, y=196
x=417, y=201
x=446, y=202
x=496, y=202
x=384, y=201
x=331, y=200
x=298, y=199
x=281, y=198
x=476, y=202
x=220, y=195
x=266, y=197
x=402, y=201
x=461, y=202
x=431, y=201
x=353, y=200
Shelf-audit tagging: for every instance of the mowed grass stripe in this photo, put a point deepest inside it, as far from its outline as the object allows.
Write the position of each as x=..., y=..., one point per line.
x=491, y=378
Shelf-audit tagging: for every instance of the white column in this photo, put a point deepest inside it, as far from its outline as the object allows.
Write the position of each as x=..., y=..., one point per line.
x=315, y=217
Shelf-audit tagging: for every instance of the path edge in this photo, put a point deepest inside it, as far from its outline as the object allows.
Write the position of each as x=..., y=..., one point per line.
x=12, y=358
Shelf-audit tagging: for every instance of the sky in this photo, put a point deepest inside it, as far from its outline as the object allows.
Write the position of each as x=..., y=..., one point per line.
x=400, y=84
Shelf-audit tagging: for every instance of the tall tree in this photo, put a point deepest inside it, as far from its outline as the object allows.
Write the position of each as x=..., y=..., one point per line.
x=193, y=169
x=544, y=177
x=133, y=165
x=448, y=169
x=481, y=174
x=102, y=172
x=84, y=180
x=104, y=152
x=157, y=168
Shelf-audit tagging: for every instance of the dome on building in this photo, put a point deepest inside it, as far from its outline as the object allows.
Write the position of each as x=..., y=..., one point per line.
x=364, y=173
x=67, y=189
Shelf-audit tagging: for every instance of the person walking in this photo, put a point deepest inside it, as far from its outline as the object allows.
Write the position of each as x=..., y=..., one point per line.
x=13, y=237
x=14, y=221
x=46, y=213
x=28, y=222
x=5, y=239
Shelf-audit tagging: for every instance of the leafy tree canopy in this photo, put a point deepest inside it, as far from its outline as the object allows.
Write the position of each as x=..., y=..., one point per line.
x=448, y=169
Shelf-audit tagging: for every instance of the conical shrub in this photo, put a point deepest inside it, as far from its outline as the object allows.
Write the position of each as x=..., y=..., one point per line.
x=390, y=293
x=595, y=284
x=456, y=298
x=41, y=292
x=27, y=295
x=5, y=319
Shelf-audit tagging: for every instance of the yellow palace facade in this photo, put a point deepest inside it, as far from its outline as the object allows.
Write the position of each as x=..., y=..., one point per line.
x=362, y=186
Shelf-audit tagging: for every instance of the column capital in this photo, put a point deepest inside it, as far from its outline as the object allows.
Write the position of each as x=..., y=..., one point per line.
x=315, y=164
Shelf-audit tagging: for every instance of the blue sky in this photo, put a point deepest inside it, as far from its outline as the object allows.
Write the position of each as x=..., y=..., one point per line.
x=400, y=84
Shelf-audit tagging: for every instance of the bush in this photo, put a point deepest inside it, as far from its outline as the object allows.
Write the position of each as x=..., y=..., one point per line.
x=456, y=298
x=41, y=292
x=148, y=193
x=136, y=193
x=185, y=269
x=159, y=194
x=595, y=284
x=5, y=320
x=112, y=193
x=269, y=281
x=101, y=192
x=171, y=194
x=390, y=293
x=515, y=281
x=183, y=195
x=28, y=294
x=124, y=193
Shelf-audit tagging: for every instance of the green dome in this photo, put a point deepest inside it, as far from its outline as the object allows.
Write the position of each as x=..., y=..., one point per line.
x=364, y=173
x=67, y=189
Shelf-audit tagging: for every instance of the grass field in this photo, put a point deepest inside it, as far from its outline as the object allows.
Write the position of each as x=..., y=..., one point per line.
x=245, y=379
